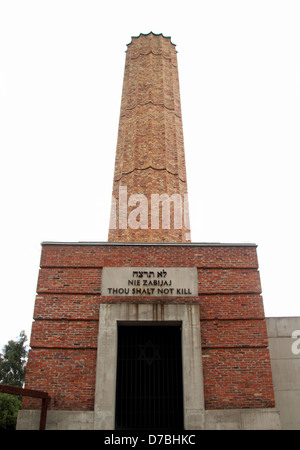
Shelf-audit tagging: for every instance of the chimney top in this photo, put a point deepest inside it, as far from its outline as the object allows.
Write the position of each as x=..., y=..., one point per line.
x=154, y=34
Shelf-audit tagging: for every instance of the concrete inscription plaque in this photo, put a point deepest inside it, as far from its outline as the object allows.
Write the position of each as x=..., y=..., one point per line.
x=150, y=281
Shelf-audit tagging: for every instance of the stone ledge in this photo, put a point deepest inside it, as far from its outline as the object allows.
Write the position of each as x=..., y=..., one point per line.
x=222, y=419
x=242, y=419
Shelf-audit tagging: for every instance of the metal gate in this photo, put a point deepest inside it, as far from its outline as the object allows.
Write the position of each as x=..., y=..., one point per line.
x=149, y=392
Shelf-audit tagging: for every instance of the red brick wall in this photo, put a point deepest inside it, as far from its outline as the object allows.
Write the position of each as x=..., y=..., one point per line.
x=136, y=255
x=237, y=377
x=68, y=375
x=62, y=360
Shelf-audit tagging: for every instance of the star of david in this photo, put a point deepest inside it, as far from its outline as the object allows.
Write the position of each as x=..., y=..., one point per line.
x=149, y=352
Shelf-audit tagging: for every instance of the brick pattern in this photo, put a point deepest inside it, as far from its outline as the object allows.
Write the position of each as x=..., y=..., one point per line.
x=68, y=375
x=69, y=280
x=231, y=306
x=236, y=365
x=108, y=255
x=64, y=334
x=228, y=281
x=237, y=378
x=66, y=306
x=233, y=333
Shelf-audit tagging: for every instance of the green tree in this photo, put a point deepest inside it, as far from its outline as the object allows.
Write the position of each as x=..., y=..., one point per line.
x=12, y=372
x=9, y=407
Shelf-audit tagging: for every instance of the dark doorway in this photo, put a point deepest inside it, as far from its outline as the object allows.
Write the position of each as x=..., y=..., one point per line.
x=149, y=392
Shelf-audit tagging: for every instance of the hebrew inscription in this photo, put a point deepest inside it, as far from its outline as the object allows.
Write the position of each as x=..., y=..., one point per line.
x=153, y=282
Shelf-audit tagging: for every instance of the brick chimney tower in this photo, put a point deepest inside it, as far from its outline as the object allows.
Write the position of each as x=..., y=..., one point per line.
x=149, y=202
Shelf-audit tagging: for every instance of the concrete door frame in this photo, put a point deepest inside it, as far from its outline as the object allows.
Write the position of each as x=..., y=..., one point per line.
x=106, y=368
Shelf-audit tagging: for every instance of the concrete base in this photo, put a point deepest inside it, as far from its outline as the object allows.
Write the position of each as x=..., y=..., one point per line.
x=242, y=419
x=56, y=420
x=222, y=419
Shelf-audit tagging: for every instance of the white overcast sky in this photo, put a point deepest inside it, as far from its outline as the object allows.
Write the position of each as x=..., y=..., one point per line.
x=61, y=74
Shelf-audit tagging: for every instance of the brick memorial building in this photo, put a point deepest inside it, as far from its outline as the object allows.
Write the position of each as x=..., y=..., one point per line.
x=150, y=330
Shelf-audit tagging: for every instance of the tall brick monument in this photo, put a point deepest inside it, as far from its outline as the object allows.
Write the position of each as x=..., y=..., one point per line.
x=150, y=158
x=150, y=330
